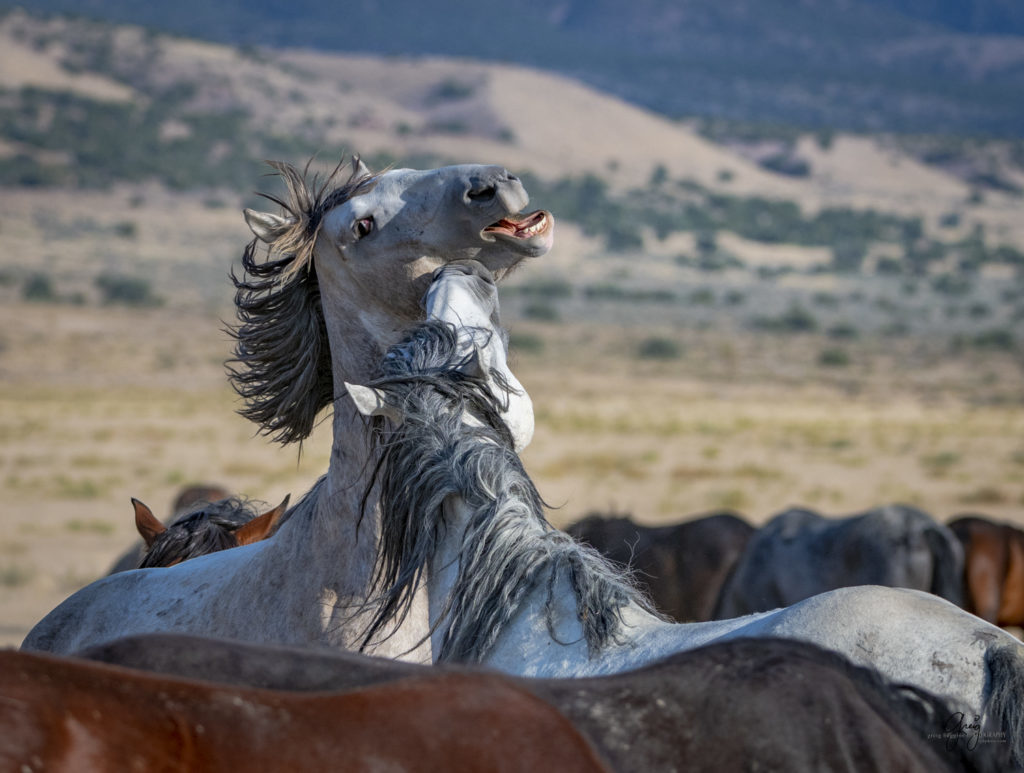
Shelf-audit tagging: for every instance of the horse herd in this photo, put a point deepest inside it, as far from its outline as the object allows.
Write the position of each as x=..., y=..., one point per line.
x=719, y=566
x=283, y=641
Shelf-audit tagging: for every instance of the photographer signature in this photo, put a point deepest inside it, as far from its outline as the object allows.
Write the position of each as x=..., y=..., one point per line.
x=957, y=727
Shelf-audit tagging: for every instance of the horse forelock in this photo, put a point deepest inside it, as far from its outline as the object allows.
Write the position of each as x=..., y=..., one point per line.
x=509, y=549
x=281, y=364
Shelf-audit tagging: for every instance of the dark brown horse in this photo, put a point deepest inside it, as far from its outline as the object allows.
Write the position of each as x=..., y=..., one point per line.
x=740, y=705
x=681, y=566
x=993, y=569
x=66, y=714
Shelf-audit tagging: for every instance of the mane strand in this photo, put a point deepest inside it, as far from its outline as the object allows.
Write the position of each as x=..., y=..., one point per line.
x=509, y=549
x=281, y=363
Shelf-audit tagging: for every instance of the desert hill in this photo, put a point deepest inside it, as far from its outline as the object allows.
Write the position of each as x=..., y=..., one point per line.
x=867, y=65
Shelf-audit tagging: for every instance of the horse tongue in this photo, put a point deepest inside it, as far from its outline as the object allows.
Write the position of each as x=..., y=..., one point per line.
x=523, y=227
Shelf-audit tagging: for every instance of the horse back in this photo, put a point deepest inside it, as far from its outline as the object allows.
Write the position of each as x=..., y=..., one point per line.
x=64, y=714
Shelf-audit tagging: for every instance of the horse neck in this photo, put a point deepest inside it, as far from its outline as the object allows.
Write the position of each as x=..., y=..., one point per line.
x=344, y=527
x=529, y=623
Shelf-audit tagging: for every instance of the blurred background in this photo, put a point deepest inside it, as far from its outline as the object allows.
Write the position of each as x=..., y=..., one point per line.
x=787, y=270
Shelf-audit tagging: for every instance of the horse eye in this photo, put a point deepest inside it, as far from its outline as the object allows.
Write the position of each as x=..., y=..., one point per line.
x=362, y=227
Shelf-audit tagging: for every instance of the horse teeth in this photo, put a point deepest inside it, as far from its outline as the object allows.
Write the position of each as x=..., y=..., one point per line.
x=535, y=228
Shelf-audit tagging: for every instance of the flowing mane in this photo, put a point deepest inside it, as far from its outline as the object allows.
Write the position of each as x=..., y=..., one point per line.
x=509, y=549
x=281, y=366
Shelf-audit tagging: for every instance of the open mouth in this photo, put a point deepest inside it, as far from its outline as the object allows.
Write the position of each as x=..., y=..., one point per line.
x=523, y=227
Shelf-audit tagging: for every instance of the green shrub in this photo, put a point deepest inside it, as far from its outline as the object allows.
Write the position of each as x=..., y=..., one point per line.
x=546, y=288
x=125, y=290
x=38, y=287
x=542, y=312
x=795, y=319
x=126, y=229
x=451, y=90
x=703, y=296
x=525, y=342
x=843, y=331
x=998, y=338
x=950, y=284
x=659, y=348
x=834, y=358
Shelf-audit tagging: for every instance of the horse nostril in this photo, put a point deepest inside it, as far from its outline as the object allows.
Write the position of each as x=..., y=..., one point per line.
x=483, y=194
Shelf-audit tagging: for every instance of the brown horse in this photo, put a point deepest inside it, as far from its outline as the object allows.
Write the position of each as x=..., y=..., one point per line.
x=66, y=714
x=188, y=498
x=202, y=526
x=212, y=527
x=993, y=569
x=681, y=566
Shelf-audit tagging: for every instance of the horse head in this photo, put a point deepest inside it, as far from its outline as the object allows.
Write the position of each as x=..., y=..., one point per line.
x=206, y=529
x=347, y=270
x=379, y=237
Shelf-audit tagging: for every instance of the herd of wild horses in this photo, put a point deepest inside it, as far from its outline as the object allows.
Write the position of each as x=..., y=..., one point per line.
x=713, y=566
x=718, y=566
x=230, y=639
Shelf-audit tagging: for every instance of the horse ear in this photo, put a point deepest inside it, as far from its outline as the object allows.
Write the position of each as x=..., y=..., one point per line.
x=267, y=226
x=370, y=402
x=359, y=168
x=149, y=525
x=259, y=528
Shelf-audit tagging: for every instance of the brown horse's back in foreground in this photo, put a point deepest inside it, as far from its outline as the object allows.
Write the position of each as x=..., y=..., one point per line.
x=65, y=714
x=993, y=569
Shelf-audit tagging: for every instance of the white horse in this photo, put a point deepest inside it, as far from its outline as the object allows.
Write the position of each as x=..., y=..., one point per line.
x=509, y=591
x=347, y=272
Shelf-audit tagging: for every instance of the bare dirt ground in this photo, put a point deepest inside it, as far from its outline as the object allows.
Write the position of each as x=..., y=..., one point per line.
x=101, y=404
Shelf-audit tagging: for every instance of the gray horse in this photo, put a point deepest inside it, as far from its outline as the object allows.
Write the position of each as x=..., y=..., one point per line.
x=510, y=592
x=800, y=553
x=347, y=270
